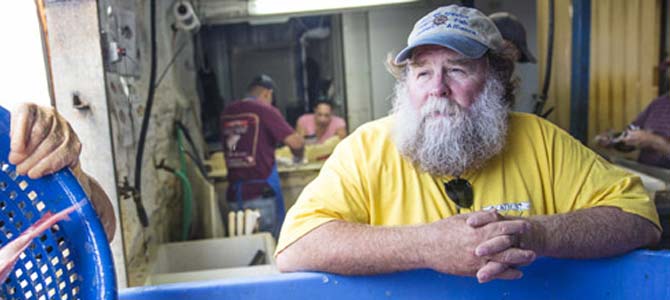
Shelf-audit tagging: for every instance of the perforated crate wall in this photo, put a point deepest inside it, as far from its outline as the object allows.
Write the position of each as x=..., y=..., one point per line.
x=72, y=260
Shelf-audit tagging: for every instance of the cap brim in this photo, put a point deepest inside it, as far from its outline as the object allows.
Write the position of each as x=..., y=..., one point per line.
x=461, y=44
x=526, y=56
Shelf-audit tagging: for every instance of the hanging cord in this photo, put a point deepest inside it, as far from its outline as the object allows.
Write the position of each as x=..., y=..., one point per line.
x=137, y=193
x=172, y=60
x=194, y=153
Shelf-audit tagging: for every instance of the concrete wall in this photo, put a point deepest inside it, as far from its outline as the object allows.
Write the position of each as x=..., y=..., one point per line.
x=176, y=98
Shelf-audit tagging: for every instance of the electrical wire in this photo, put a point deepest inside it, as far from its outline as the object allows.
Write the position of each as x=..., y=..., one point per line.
x=198, y=163
x=196, y=158
x=172, y=60
x=542, y=98
x=137, y=193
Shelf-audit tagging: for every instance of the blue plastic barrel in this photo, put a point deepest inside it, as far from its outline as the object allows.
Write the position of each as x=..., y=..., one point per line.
x=72, y=260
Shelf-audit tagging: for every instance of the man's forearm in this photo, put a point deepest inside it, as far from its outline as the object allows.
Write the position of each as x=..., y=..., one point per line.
x=348, y=248
x=296, y=144
x=591, y=233
x=661, y=144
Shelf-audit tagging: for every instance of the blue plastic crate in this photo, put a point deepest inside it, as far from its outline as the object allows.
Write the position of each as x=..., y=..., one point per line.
x=72, y=260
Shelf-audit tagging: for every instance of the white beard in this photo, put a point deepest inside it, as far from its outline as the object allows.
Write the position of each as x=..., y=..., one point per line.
x=459, y=140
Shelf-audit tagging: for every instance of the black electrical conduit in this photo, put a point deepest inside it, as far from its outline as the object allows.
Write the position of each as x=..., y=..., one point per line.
x=194, y=150
x=137, y=192
x=542, y=98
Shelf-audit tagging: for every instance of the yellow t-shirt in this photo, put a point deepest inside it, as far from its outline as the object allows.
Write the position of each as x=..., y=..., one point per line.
x=541, y=171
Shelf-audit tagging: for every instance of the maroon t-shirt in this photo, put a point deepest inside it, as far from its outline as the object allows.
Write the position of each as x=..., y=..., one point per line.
x=250, y=131
x=656, y=118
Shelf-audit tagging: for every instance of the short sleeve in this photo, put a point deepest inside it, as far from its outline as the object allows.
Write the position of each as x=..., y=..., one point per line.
x=339, y=123
x=302, y=121
x=337, y=193
x=275, y=124
x=589, y=181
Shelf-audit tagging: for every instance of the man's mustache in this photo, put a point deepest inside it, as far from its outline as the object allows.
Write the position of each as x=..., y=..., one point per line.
x=440, y=106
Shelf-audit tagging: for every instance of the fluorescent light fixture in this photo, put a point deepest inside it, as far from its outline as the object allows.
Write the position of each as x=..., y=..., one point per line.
x=272, y=7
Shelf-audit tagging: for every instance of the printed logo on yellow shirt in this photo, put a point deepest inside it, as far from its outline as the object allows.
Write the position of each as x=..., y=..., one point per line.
x=519, y=206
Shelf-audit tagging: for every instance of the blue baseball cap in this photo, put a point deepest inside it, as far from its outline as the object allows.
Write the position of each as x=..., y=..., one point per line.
x=462, y=29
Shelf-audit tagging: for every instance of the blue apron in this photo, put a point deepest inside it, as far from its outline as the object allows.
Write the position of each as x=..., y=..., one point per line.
x=274, y=183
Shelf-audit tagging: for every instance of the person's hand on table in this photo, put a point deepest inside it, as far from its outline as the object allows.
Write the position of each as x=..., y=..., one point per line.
x=639, y=138
x=604, y=139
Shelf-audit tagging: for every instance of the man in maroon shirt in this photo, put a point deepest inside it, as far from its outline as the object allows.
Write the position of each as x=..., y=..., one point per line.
x=251, y=128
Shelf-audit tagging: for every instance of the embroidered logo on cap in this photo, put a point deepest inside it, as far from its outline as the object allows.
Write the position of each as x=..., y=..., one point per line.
x=440, y=19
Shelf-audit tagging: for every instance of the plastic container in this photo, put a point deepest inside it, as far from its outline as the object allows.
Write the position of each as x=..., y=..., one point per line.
x=72, y=260
x=639, y=275
x=213, y=259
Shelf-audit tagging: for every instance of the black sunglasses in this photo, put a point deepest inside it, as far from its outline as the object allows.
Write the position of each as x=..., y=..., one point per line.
x=460, y=191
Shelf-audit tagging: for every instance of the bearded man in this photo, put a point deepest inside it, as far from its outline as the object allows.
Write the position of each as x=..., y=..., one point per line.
x=454, y=182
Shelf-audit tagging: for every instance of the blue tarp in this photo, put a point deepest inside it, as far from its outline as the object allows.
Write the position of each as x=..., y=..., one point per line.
x=639, y=275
